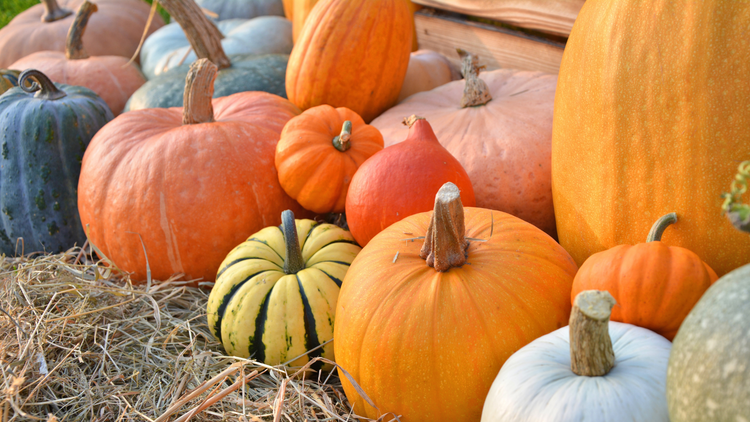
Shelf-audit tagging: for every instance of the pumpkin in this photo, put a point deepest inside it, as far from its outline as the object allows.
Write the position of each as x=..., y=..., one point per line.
x=351, y=54
x=242, y=9
x=168, y=47
x=289, y=9
x=654, y=284
x=424, y=328
x=709, y=369
x=189, y=183
x=402, y=180
x=113, y=78
x=275, y=294
x=642, y=128
x=8, y=79
x=592, y=370
x=46, y=128
x=504, y=144
x=427, y=70
x=318, y=154
x=116, y=31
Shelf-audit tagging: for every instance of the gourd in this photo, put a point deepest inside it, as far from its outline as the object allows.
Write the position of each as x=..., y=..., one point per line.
x=242, y=9
x=423, y=328
x=116, y=31
x=187, y=184
x=642, y=128
x=275, y=294
x=113, y=78
x=499, y=127
x=46, y=128
x=427, y=70
x=318, y=154
x=592, y=370
x=655, y=285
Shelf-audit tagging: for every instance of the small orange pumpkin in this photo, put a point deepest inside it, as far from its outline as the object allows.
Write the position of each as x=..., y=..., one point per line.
x=655, y=285
x=319, y=152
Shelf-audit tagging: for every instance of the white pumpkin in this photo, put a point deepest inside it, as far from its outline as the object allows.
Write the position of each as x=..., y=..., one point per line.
x=538, y=384
x=427, y=70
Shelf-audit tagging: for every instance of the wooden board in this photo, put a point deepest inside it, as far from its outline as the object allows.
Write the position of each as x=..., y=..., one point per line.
x=496, y=47
x=551, y=16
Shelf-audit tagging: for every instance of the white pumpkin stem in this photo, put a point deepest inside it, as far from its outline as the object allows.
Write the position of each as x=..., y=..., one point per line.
x=445, y=243
x=591, y=352
x=476, y=91
x=74, y=46
x=53, y=11
x=204, y=36
x=294, y=262
x=657, y=230
x=197, y=104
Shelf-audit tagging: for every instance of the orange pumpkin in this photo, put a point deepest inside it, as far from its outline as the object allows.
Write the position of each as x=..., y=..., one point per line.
x=318, y=154
x=655, y=285
x=189, y=183
x=425, y=328
x=351, y=54
x=402, y=180
x=113, y=78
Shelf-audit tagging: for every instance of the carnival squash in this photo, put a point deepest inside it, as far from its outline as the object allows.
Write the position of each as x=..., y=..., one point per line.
x=427, y=70
x=242, y=9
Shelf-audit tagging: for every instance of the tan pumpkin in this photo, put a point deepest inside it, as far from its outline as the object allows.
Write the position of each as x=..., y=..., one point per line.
x=427, y=70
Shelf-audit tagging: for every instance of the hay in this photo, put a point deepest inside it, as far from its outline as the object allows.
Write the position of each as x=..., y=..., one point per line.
x=82, y=343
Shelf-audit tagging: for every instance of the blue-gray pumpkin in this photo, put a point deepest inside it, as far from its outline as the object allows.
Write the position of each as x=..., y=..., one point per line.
x=45, y=130
x=242, y=9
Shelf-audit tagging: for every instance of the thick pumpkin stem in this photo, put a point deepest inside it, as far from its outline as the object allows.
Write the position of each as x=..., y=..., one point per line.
x=53, y=11
x=42, y=85
x=591, y=352
x=294, y=262
x=74, y=46
x=445, y=243
x=197, y=104
x=476, y=91
x=204, y=36
x=409, y=121
x=341, y=142
x=737, y=212
x=661, y=224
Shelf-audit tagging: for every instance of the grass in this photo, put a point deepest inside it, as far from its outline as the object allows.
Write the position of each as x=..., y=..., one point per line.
x=10, y=8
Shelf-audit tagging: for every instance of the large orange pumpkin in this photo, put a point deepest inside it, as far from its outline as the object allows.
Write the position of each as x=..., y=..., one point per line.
x=424, y=329
x=651, y=115
x=189, y=183
x=351, y=54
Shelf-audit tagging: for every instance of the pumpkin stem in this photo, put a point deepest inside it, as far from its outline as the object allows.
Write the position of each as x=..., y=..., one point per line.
x=654, y=235
x=341, y=142
x=294, y=262
x=53, y=11
x=74, y=46
x=445, y=244
x=204, y=36
x=44, y=88
x=737, y=212
x=476, y=91
x=591, y=352
x=197, y=105
x=409, y=121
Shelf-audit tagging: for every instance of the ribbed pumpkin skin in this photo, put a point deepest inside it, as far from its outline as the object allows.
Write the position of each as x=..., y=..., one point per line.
x=42, y=143
x=351, y=54
x=708, y=378
x=427, y=345
x=192, y=192
x=257, y=310
x=650, y=116
x=242, y=9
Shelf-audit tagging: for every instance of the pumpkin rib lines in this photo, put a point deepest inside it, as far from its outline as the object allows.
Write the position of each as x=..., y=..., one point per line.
x=334, y=279
x=252, y=239
x=238, y=260
x=256, y=347
x=228, y=298
x=311, y=333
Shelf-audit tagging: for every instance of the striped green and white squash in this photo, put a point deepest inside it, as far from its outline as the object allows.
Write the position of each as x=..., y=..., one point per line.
x=274, y=300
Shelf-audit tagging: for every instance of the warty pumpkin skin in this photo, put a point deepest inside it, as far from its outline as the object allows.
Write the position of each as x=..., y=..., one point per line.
x=351, y=54
x=242, y=9
x=650, y=114
x=44, y=136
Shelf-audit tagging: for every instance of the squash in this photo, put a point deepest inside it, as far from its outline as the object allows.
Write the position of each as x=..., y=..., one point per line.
x=116, y=30
x=351, y=54
x=46, y=128
x=504, y=144
x=592, y=370
x=187, y=184
x=113, y=78
x=654, y=284
x=168, y=47
x=275, y=294
x=642, y=128
x=289, y=9
x=8, y=79
x=242, y=9
x=424, y=328
x=427, y=70
x=709, y=368
x=402, y=180
x=318, y=154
